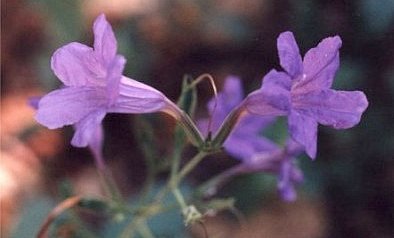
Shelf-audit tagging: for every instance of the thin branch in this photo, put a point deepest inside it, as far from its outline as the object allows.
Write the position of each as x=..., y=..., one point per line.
x=59, y=209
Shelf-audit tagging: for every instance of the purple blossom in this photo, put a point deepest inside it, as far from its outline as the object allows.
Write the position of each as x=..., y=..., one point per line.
x=283, y=163
x=245, y=143
x=303, y=92
x=93, y=86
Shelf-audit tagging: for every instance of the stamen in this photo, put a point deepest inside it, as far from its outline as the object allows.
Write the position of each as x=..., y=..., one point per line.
x=198, y=80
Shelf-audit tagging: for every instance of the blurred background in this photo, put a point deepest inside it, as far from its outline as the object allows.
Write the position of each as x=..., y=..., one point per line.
x=348, y=190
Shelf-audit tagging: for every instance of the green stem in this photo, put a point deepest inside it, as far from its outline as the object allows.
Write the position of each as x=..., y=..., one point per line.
x=190, y=166
x=226, y=128
x=172, y=185
x=179, y=198
x=110, y=186
x=131, y=228
x=144, y=230
x=211, y=186
x=191, y=129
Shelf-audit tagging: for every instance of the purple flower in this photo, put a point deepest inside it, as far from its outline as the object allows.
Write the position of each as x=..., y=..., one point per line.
x=303, y=92
x=283, y=163
x=257, y=153
x=244, y=141
x=93, y=86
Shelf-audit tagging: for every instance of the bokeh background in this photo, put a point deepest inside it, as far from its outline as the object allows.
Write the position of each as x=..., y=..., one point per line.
x=348, y=190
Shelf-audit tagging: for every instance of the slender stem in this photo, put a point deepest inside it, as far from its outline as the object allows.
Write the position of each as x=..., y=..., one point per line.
x=190, y=166
x=144, y=230
x=226, y=128
x=110, y=186
x=211, y=186
x=150, y=210
x=215, y=93
x=105, y=175
x=130, y=229
x=179, y=143
x=59, y=209
x=191, y=130
x=179, y=197
x=172, y=185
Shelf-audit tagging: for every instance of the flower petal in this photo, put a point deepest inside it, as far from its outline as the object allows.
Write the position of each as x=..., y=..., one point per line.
x=339, y=109
x=303, y=129
x=70, y=64
x=296, y=175
x=276, y=82
x=69, y=105
x=136, y=97
x=320, y=65
x=115, y=70
x=273, y=98
x=104, y=40
x=253, y=124
x=262, y=103
x=230, y=96
x=285, y=185
x=289, y=54
x=96, y=146
x=87, y=128
x=293, y=148
x=245, y=146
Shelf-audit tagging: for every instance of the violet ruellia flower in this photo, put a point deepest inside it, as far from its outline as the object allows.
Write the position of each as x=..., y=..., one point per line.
x=94, y=86
x=280, y=161
x=303, y=92
x=244, y=142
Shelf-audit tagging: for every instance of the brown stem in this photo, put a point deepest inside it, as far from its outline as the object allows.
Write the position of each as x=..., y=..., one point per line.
x=59, y=209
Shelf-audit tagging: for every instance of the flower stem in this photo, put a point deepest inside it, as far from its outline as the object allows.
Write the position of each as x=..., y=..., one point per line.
x=110, y=186
x=211, y=186
x=144, y=230
x=226, y=128
x=179, y=198
x=59, y=209
x=190, y=166
x=191, y=130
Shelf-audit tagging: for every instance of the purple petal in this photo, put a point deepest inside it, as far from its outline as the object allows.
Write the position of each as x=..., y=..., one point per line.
x=268, y=102
x=265, y=161
x=87, y=128
x=245, y=146
x=104, y=40
x=96, y=146
x=303, y=129
x=276, y=82
x=339, y=109
x=289, y=54
x=69, y=105
x=115, y=70
x=252, y=124
x=233, y=89
x=75, y=65
x=320, y=65
x=265, y=104
x=136, y=97
x=273, y=98
x=296, y=175
x=293, y=148
x=285, y=186
x=230, y=96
